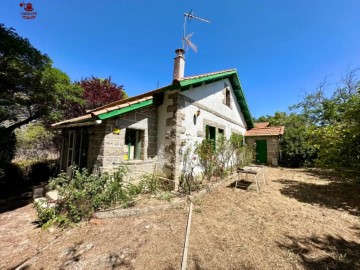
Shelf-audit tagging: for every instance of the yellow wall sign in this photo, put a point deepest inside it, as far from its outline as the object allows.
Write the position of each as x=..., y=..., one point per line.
x=116, y=130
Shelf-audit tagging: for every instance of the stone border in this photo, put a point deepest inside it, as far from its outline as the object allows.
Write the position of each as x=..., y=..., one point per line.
x=120, y=212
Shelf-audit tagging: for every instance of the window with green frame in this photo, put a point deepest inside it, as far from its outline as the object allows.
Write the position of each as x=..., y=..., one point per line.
x=132, y=149
x=221, y=133
x=213, y=134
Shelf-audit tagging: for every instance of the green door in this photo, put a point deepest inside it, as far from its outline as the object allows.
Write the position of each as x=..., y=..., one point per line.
x=261, y=151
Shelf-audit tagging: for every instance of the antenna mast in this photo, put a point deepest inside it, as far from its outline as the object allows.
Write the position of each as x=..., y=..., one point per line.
x=186, y=38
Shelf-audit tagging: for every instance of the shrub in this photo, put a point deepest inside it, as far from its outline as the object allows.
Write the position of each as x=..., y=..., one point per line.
x=83, y=193
x=207, y=157
x=25, y=173
x=215, y=160
x=34, y=141
x=7, y=153
x=153, y=183
x=49, y=216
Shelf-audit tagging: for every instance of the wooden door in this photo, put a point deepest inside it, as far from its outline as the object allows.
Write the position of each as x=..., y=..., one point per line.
x=261, y=151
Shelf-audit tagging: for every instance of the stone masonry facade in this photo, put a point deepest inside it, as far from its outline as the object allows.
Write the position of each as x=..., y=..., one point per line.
x=175, y=129
x=145, y=120
x=273, y=147
x=106, y=148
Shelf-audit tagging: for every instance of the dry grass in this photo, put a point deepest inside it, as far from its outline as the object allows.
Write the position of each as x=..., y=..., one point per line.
x=300, y=220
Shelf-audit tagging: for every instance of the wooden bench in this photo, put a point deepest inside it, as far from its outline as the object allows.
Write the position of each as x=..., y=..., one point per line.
x=254, y=170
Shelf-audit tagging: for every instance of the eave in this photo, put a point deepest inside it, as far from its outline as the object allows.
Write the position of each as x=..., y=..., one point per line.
x=186, y=83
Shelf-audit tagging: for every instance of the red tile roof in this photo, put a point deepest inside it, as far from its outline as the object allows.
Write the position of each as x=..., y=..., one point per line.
x=265, y=131
x=129, y=101
x=261, y=125
x=121, y=104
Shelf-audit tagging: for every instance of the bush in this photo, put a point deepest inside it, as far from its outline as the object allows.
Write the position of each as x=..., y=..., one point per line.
x=83, y=193
x=29, y=172
x=7, y=153
x=49, y=216
x=34, y=141
x=152, y=183
x=215, y=161
x=207, y=157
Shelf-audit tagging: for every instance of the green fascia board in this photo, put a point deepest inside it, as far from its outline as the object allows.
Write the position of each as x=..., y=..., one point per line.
x=130, y=108
x=186, y=84
x=235, y=83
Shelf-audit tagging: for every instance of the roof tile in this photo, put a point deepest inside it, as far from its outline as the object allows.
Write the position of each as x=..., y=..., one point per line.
x=261, y=124
x=266, y=131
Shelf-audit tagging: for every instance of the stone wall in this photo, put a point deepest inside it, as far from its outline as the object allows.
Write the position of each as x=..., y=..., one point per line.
x=144, y=119
x=180, y=126
x=273, y=147
x=166, y=141
x=96, y=147
x=106, y=148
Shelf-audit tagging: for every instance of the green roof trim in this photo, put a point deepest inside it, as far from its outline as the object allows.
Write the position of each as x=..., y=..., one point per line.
x=130, y=108
x=186, y=84
x=236, y=86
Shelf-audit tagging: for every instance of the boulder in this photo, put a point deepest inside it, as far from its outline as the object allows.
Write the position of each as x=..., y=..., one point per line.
x=53, y=195
x=42, y=202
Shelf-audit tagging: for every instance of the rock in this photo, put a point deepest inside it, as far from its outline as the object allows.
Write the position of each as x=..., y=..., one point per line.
x=53, y=195
x=38, y=192
x=42, y=202
x=52, y=205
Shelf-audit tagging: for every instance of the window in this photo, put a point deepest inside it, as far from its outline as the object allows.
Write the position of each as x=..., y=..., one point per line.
x=133, y=139
x=227, y=97
x=210, y=133
x=221, y=133
x=214, y=134
x=71, y=148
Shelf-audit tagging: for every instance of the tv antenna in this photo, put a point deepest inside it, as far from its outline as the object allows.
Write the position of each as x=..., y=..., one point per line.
x=186, y=38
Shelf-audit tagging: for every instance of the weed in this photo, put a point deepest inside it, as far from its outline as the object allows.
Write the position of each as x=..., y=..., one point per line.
x=165, y=196
x=292, y=256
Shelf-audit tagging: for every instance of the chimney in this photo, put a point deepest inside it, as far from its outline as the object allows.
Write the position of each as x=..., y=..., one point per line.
x=179, y=64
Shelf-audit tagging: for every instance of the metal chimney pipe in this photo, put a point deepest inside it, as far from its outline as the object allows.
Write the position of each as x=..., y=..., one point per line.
x=179, y=64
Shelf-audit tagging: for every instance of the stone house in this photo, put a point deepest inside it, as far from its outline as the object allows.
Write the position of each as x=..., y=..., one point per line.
x=267, y=142
x=148, y=132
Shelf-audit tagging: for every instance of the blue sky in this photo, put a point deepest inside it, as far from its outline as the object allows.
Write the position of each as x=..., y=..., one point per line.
x=281, y=48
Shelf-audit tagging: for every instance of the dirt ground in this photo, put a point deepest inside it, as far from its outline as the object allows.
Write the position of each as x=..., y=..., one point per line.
x=302, y=219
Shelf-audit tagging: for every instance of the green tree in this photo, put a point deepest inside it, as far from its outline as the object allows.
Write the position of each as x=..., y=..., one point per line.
x=324, y=130
x=30, y=89
x=338, y=143
x=34, y=141
x=296, y=149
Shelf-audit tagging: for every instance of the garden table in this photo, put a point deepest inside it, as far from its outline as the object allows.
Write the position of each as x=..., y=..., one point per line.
x=256, y=170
